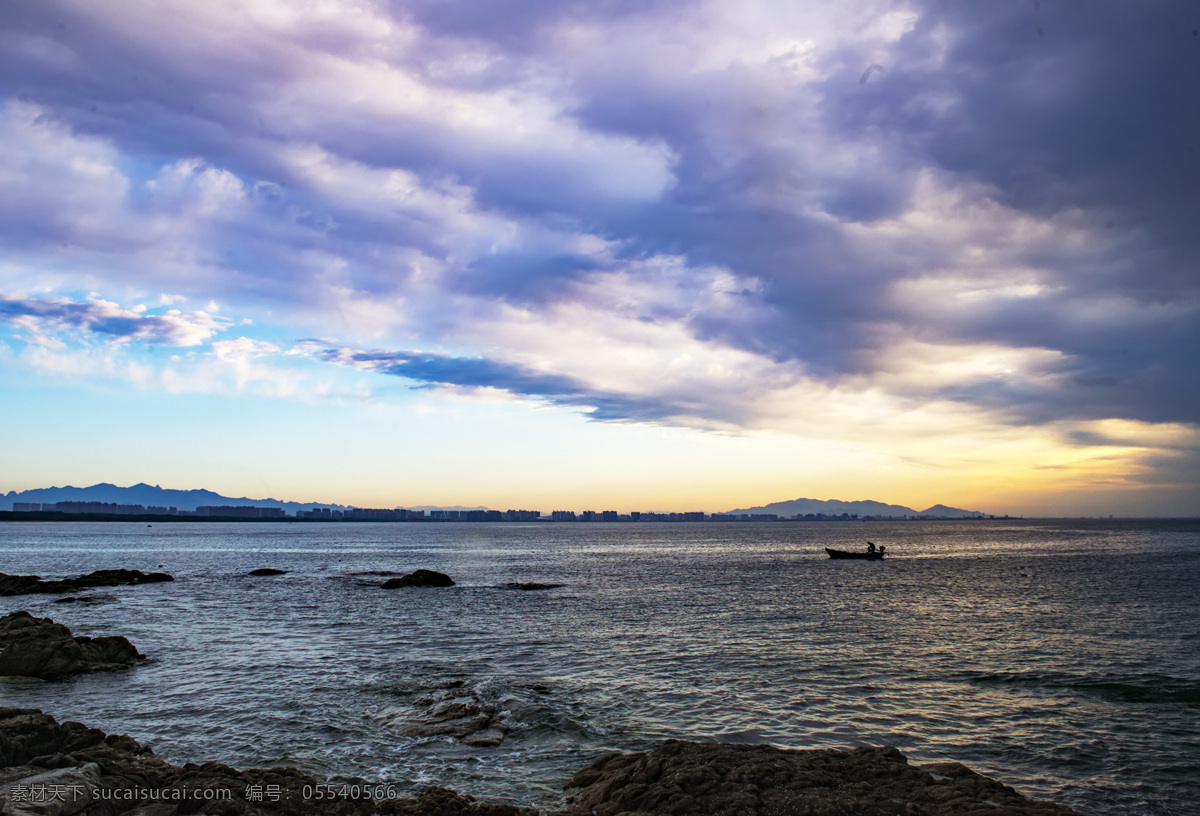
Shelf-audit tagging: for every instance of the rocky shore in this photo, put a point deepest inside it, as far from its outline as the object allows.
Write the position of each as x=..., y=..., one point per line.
x=710, y=779
x=61, y=769
x=41, y=648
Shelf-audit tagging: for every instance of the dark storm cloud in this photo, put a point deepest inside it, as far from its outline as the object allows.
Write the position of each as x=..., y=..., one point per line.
x=1081, y=116
x=1090, y=120
x=1063, y=108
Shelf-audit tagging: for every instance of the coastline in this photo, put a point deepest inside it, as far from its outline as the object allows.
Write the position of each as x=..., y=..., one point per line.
x=958, y=652
x=47, y=767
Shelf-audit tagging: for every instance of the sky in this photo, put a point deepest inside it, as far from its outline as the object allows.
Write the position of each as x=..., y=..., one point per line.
x=658, y=255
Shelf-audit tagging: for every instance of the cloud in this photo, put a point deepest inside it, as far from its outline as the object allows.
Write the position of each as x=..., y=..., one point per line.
x=694, y=213
x=42, y=317
x=432, y=370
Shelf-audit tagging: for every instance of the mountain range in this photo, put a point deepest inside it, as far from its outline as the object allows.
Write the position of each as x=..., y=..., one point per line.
x=859, y=508
x=149, y=496
x=155, y=496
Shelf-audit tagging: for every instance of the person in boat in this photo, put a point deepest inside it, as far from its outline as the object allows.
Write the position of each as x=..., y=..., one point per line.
x=871, y=546
x=882, y=549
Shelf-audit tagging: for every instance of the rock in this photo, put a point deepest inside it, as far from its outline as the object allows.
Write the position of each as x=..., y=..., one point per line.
x=530, y=586
x=420, y=578
x=61, y=792
x=123, y=777
x=268, y=571
x=676, y=779
x=84, y=599
x=707, y=779
x=487, y=738
x=33, y=584
x=471, y=714
x=39, y=647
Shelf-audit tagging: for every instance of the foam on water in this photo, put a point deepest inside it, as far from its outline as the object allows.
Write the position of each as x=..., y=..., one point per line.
x=1059, y=657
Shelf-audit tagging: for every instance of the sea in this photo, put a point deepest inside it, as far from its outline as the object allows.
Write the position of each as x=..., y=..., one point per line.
x=1061, y=657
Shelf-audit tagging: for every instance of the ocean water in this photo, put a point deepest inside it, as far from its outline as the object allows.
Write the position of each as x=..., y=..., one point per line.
x=1061, y=657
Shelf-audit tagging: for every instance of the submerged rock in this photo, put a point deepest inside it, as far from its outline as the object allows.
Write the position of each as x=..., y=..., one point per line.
x=268, y=571
x=84, y=599
x=39, y=647
x=34, y=584
x=62, y=769
x=454, y=709
x=530, y=586
x=420, y=578
x=708, y=779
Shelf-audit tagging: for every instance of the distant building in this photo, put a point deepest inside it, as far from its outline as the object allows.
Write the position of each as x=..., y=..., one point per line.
x=240, y=511
x=374, y=514
x=562, y=515
x=522, y=515
x=85, y=507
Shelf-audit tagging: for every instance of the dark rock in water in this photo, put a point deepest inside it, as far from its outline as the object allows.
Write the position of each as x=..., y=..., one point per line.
x=84, y=599
x=97, y=774
x=39, y=647
x=119, y=577
x=420, y=578
x=530, y=586
x=707, y=779
x=33, y=584
x=268, y=571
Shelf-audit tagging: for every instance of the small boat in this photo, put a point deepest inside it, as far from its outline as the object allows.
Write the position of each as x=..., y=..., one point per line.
x=868, y=556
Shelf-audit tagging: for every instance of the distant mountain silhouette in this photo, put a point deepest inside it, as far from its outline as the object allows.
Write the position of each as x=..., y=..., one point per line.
x=834, y=507
x=949, y=512
x=155, y=496
x=149, y=496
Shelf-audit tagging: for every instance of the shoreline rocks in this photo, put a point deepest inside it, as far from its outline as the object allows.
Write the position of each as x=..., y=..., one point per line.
x=36, y=585
x=106, y=775
x=711, y=779
x=47, y=767
x=41, y=648
x=420, y=578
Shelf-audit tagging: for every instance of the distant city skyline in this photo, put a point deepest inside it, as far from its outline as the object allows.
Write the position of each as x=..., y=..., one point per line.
x=668, y=255
x=108, y=498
